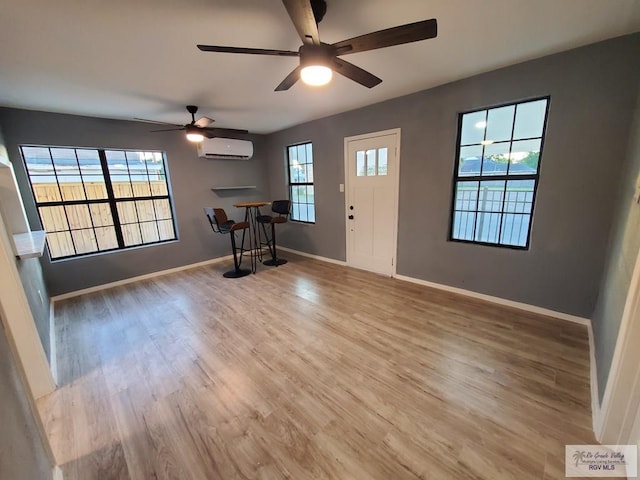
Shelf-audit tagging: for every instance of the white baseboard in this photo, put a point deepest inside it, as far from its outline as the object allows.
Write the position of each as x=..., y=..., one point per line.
x=499, y=301
x=596, y=415
x=53, y=361
x=315, y=257
x=57, y=474
x=126, y=281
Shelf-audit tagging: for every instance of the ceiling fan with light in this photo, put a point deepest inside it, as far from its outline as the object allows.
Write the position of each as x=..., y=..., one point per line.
x=197, y=130
x=318, y=60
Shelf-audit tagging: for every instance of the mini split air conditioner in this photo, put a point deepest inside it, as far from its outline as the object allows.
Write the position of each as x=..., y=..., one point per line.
x=225, y=149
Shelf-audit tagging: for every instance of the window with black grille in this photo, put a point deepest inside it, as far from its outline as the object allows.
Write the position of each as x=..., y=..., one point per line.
x=96, y=200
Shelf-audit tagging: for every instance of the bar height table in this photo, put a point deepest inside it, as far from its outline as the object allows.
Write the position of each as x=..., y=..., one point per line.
x=252, y=211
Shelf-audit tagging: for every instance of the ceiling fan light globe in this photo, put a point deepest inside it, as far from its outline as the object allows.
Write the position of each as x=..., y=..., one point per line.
x=316, y=75
x=195, y=137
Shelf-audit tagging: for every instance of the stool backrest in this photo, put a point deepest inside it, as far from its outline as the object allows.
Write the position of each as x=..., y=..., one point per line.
x=218, y=219
x=282, y=207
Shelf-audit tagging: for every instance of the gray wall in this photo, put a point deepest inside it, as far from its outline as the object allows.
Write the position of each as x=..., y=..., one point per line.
x=191, y=181
x=624, y=245
x=592, y=92
x=22, y=455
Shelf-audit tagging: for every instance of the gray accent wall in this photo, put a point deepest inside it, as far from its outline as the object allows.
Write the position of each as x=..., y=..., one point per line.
x=624, y=246
x=191, y=181
x=22, y=455
x=593, y=91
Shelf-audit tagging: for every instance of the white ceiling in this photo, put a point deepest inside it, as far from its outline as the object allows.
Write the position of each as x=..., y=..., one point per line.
x=138, y=58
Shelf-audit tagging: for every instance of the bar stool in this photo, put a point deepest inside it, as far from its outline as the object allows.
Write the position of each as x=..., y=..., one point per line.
x=282, y=208
x=221, y=224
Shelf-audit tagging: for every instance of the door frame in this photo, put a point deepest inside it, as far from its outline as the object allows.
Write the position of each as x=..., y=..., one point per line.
x=396, y=191
x=621, y=400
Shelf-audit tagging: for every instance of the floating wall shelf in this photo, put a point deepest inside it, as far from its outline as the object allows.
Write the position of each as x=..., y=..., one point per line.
x=29, y=244
x=239, y=187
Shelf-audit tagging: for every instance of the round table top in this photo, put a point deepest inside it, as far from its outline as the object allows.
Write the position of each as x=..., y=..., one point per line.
x=250, y=204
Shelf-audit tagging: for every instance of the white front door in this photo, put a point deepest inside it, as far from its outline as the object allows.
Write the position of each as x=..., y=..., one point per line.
x=371, y=173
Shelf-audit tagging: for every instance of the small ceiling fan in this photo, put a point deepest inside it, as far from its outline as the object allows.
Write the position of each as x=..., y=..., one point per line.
x=197, y=130
x=318, y=60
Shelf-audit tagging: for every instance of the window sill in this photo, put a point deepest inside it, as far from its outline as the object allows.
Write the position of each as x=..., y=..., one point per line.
x=29, y=244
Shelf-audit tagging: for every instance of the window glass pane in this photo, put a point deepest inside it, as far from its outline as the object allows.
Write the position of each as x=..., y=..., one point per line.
x=60, y=244
x=163, y=209
x=519, y=196
x=78, y=216
x=95, y=187
x=495, y=159
x=89, y=162
x=64, y=161
x=525, y=155
x=360, y=164
x=101, y=214
x=141, y=187
x=500, y=123
x=530, y=119
x=106, y=238
x=165, y=228
x=466, y=196
x=371, y=162
x=490, y=196
x=470, y=158
x=310, y=172
x=127, y=212
x=145, y=211
x=302, y=154
x=71, y=187
x=309, y=153
x=53, y=218
x=84, y=240
x=487, y=227
x=311, y=195
x=158, y=187
x=45, y=191
x=515, y=228
x=463, y=225
x=131, y=234
x=38, y=161
x=116, y=162
x=121, y=186
x=149, y=232
x=473, y=125
x=311, y=213
x=295, y=211
x=382, y=161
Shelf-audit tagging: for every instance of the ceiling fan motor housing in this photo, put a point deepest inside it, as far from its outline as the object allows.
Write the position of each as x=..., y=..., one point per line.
x=322, y=54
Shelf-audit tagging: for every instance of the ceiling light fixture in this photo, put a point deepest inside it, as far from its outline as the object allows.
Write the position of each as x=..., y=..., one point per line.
x=316, y=75
x=315, y=61
x=194, y=135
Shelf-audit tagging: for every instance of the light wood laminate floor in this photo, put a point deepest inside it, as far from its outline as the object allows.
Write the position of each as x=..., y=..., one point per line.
x=311, y=371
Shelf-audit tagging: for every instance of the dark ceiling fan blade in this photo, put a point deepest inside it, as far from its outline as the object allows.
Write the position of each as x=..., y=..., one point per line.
x=251, y=51
x=301, y=15
x=354, y=73
x=156, y=121
x=412, y=32
x=289, y=80
x=204, y=122
x=219, y=132
x=169, y=129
